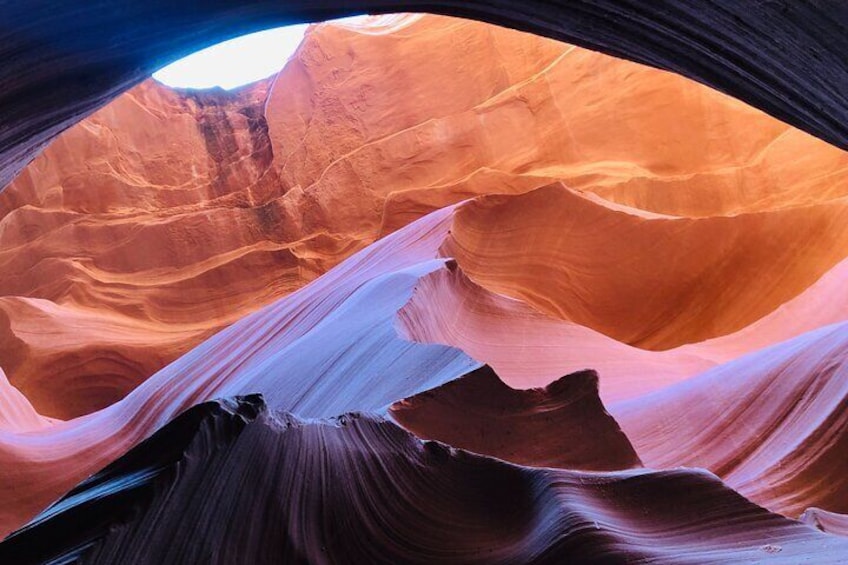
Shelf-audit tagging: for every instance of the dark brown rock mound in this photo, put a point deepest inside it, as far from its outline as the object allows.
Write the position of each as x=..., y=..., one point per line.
x=563, y=425
x=230, y=482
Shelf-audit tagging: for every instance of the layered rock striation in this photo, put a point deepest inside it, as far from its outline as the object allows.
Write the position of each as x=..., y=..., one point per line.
x=169, y=215
x=358, y=488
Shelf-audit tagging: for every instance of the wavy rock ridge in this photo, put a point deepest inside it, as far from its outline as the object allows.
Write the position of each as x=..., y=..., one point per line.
x=569, y=426
x=826, y=521
x=495, y=512
x=577, y=258
x=777, y=433
x=301, y=352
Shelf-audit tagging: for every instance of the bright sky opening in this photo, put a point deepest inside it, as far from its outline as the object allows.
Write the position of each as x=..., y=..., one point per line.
x=253, y=57
x=235, y=62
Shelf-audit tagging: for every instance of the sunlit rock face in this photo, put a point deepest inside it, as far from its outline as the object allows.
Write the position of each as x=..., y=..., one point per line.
x=170, y=214
x=504, y=300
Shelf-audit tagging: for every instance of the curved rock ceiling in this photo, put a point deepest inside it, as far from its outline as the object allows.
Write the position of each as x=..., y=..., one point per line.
x=63, y=61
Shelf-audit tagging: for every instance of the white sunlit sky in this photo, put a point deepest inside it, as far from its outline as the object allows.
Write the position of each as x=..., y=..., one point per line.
x=235, y=62
x=238, y=61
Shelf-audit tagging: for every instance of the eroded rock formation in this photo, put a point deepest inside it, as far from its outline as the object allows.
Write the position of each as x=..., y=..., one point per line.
x=411, y=233
x=393, y=498
x=569, y=425
x=829, y=522
x=338, y=345
x=788, y=454
x=167, y=216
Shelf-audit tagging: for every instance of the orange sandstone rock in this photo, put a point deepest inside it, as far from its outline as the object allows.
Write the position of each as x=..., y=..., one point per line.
x=177, y=213
x=646, y=279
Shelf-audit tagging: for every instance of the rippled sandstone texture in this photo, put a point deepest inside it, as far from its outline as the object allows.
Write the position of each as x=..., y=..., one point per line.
x=393, y=498
x=170, y=215
x=379, y=327
x=701, y=275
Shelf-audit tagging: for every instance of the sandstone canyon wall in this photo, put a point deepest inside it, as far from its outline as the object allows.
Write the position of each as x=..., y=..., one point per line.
x=437, y=291
x=171, y=214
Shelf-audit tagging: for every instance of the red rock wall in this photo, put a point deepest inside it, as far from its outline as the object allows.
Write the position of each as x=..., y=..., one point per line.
x=178, y=213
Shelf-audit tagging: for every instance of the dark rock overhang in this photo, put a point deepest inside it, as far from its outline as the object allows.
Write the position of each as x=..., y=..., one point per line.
x=63, y=60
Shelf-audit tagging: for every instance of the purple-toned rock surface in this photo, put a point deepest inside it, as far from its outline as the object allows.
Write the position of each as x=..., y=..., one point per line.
x=233, y=482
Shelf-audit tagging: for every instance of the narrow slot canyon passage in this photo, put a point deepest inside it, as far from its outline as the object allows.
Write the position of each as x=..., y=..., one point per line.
x=415, y=288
